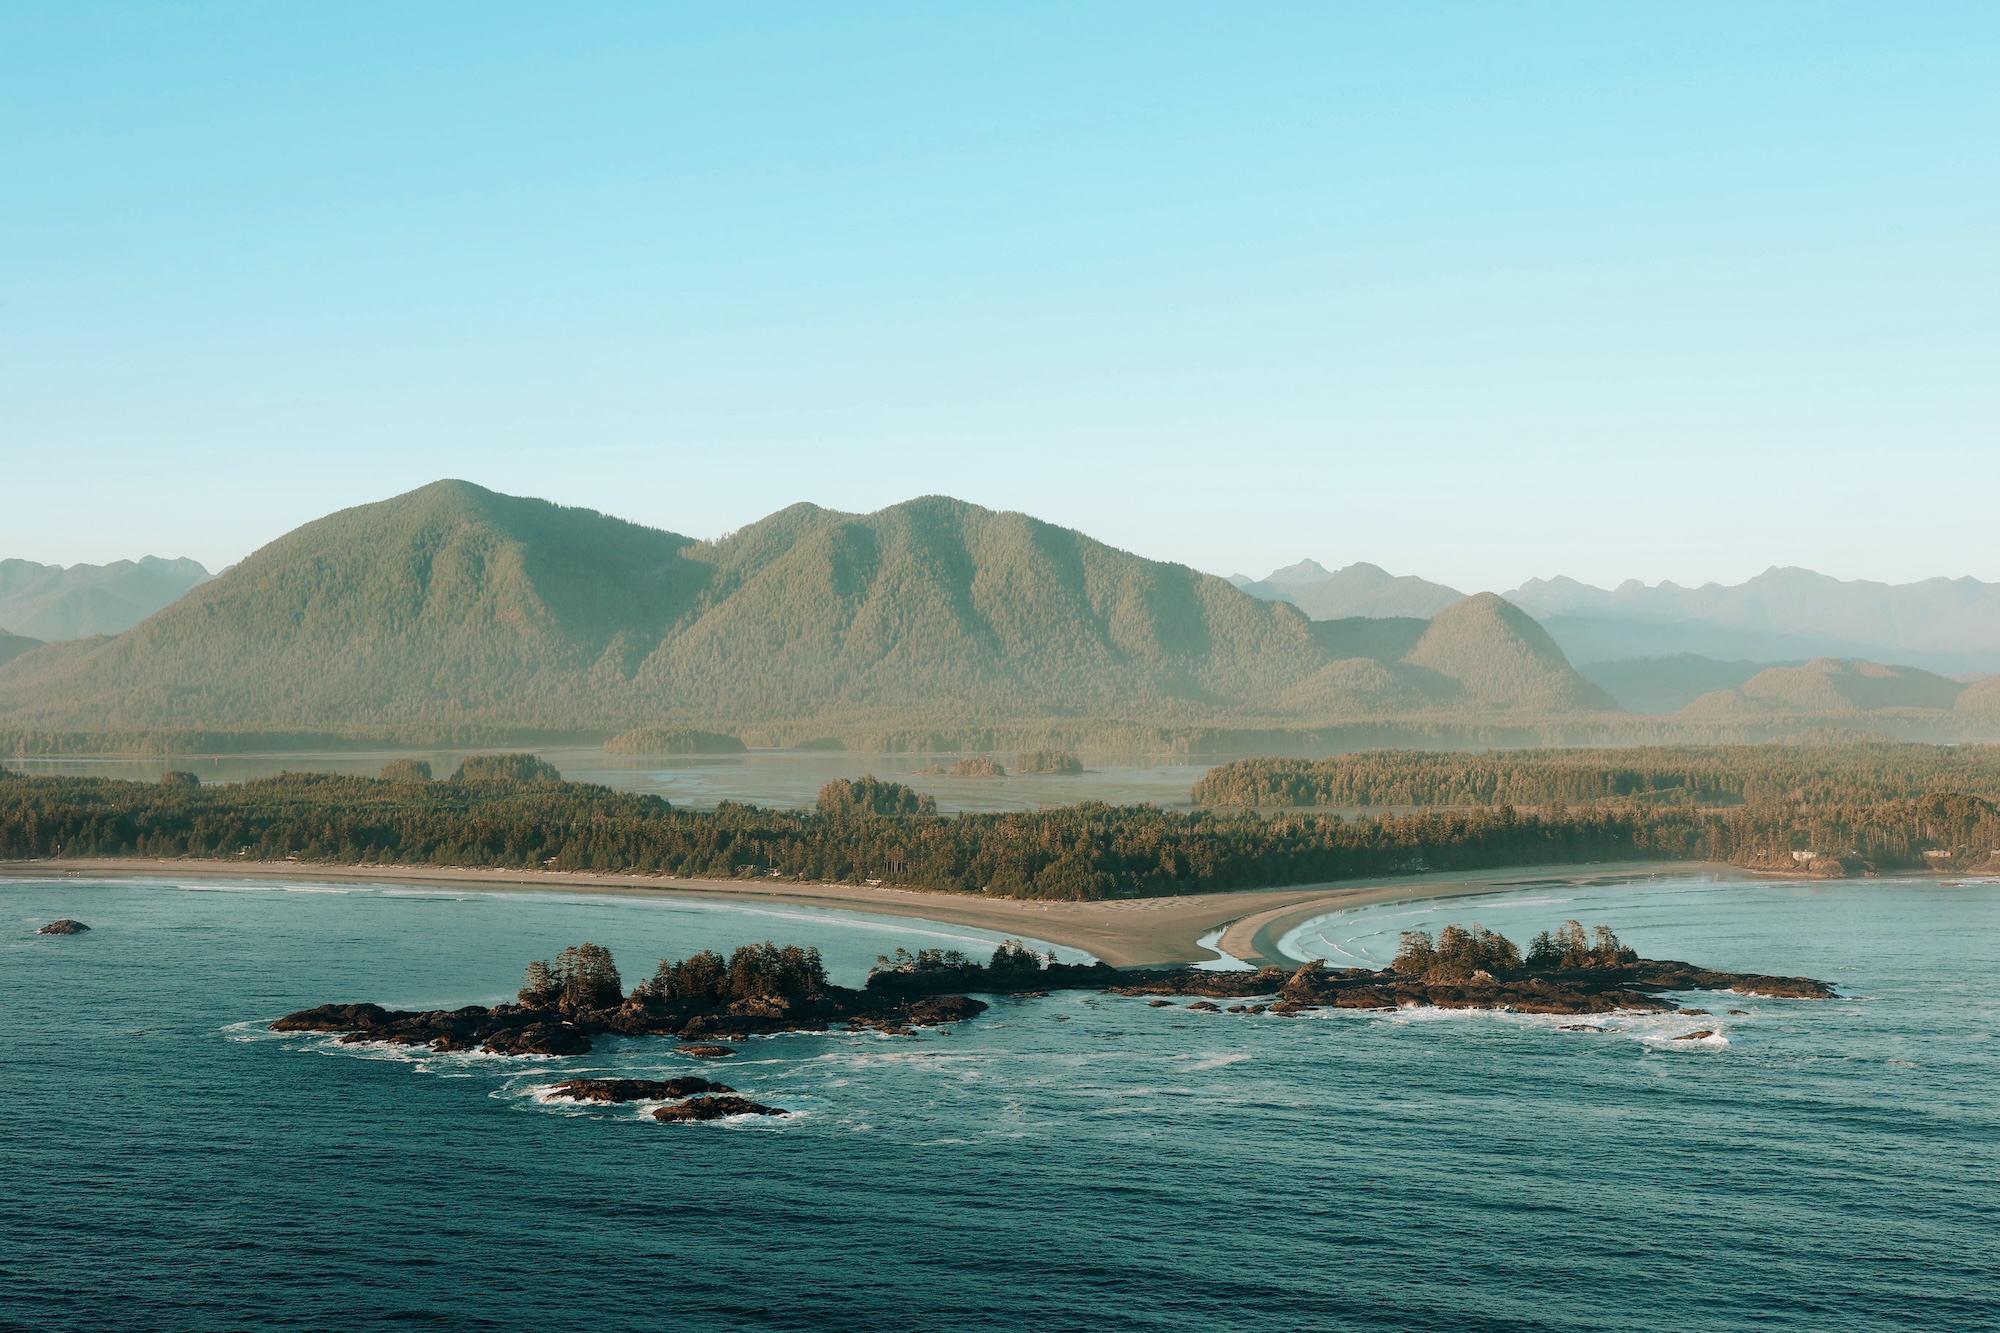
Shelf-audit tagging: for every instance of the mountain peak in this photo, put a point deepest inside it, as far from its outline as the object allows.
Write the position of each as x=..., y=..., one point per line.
x=1504, y=659
x=1305, y=571
x=454, y=607
x=1359, y=589
x=50, y=602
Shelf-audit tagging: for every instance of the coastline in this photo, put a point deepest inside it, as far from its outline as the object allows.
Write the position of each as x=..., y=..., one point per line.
x=1127, y=932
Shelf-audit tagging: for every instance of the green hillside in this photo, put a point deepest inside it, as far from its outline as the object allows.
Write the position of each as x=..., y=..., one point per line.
x=1832, y=686
x=442, y=606
x=1981, y=697
x=456, y=611
x=1501, y=659
x=13, y=645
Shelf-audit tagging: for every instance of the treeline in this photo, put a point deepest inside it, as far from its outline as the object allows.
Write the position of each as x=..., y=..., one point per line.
x=27, y=742
x=1685, y=775
x=872, y=832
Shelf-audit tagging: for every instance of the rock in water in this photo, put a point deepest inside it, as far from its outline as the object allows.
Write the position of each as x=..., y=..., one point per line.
x=538, y=1039
x=714, y=1108
x=706, y=1052
x=63, y=927
x=1702, y=1035
x=633, y=1089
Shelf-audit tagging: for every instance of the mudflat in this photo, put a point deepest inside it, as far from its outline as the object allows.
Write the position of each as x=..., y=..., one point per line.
x=1129, y=932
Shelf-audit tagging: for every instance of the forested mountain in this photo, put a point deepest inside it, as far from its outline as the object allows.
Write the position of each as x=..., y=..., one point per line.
x=13, y=645
x=1501, y=658
x=446, y=604
x=1356, y=590
x=454, y=608
x=1982, y=697
x=1831, y=686
x=1945, y=625
x=1668, y=684
x=51, y=602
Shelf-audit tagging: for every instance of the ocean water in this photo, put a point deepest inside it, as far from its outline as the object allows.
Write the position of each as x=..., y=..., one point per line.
x=1075, y=1162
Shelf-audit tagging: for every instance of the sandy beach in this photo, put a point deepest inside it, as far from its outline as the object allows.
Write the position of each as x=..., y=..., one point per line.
x=1125, y=933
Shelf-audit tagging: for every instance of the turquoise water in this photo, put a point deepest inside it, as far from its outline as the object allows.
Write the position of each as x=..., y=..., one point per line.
x=1080, y=1161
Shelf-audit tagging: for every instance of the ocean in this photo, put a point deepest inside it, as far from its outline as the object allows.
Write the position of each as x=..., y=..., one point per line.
x=1080, y=1161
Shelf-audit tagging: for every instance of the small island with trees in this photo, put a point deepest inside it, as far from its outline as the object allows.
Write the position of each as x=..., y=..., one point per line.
x=766, y=989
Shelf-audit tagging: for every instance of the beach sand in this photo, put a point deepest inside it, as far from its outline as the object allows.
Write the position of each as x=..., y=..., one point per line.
x=1125, y=933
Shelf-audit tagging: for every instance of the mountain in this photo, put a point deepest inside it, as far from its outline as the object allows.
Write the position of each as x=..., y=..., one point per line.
x=1502, y=659
x=1945, y=625
x=938, y=606
x=1982, y=697
x=1357, y=590
x=454, y=608
x=1832, y=686
x=447, y=604
x=51, y=602
x=13, y=645
x=1668, y=684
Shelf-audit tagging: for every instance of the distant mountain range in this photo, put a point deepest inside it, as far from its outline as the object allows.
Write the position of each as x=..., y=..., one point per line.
x=1656, y=649
x=1943, y=625
x=455, y=612
x=453, y=607
x=1832, y=687
x=51, y=602
x=1356, y=590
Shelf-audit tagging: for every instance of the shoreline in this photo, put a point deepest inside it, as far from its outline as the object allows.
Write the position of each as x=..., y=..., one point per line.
x=1124, y=932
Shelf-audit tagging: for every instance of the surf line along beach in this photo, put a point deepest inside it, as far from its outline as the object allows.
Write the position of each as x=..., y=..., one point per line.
x=1126, y=932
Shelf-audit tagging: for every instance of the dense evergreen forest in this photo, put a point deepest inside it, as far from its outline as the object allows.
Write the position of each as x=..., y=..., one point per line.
x=1662, y=775
x=870, y=831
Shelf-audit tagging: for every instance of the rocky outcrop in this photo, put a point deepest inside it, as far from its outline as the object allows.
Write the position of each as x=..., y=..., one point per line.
x=63, y=927
x=715, y=1108
x=1633, y=987
x=1196, y=981
x=616, y=1090
x=524, y=1030
x=538, y=1039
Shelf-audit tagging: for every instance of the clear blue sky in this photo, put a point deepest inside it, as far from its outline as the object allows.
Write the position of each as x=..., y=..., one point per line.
x=1477, y=292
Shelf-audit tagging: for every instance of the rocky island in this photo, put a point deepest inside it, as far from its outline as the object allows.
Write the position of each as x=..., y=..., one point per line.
x=759, y=990
x=1569, y=971
x=764, y=989
x=63, y=927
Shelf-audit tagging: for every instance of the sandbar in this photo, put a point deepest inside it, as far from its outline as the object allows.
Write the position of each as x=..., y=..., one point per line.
x=1129, y=932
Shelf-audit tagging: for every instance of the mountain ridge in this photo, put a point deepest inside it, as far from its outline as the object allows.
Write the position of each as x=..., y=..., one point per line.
x=1786, y=612
x=1359, y=589
x=50, y=602
x=454, y=606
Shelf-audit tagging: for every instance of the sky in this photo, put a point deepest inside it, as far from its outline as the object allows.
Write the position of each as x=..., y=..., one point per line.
x=1478, y=292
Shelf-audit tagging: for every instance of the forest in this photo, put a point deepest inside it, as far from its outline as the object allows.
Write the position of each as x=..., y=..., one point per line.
x=868, y=831
x=1697, y=776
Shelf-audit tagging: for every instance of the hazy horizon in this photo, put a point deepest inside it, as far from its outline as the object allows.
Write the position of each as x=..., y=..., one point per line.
x=1500, y=585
